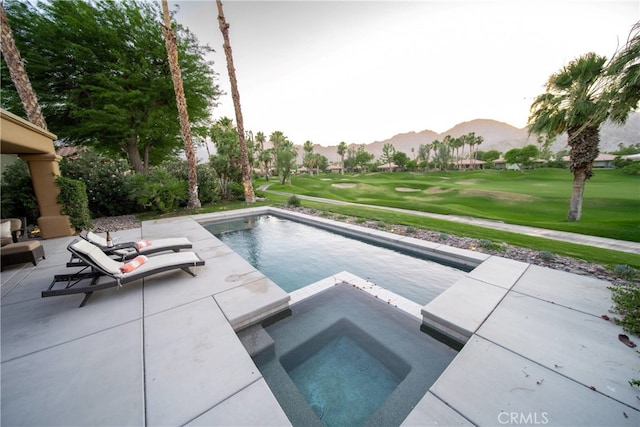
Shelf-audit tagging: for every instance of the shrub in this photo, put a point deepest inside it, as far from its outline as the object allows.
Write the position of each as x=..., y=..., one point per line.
x=159, y=190
x=74, y=201
x=108, y=182
x=627, y=304
x=18, y=198
x=293, y=202
x=632, y=169
x=625, y=272
x=207, y=186
x=546, y=256
x=208, y=190
x=444, y=236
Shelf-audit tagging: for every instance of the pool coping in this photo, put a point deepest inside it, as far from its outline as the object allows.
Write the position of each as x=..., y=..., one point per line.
x=490, y=288
x=167, y=350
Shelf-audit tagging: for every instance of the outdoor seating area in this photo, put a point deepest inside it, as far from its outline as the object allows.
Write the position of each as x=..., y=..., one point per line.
x=14, y=250
x=163, y=350
x=116, y=273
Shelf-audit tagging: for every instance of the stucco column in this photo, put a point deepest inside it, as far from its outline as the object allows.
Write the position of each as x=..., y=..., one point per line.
x=43, y=169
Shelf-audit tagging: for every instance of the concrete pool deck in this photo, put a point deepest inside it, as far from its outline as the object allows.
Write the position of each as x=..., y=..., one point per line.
x=164, y=351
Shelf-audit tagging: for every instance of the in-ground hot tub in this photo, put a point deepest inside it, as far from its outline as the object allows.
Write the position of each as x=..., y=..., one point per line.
x=344, y=357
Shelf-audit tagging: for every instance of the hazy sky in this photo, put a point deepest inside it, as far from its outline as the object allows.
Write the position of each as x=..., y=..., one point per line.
x=361, y=71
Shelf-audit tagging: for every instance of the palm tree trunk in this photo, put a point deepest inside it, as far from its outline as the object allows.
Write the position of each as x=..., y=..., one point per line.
x=584, y=150
x=575, y=205
x=18, y=73
x=249, y=195
x=183, y=114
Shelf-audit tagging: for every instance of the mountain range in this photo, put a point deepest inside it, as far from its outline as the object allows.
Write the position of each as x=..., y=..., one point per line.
x=496, y=135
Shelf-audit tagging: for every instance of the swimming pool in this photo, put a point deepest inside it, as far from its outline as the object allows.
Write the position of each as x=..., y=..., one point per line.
x=294, y=255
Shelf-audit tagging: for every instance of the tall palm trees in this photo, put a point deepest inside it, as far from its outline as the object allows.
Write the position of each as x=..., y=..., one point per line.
x=18, y=73
x=249, y=195
x=342, y=149
x=185, y=127
x=574, y=103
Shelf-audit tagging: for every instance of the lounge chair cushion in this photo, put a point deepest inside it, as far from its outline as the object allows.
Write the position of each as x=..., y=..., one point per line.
x=5, y=232
x=151, y=246
x=154, y=263
x=95, y=253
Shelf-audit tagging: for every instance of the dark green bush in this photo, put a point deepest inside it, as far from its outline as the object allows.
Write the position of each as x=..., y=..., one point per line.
x=108, y=183
x=207, y=185
x=208, y=191
x=632, y=169
x=74, y=201
x=18, y=198
x=159, y=190
x=293, y=202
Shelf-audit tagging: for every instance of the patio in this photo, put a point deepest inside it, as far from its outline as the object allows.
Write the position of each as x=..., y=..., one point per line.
x=164, y=351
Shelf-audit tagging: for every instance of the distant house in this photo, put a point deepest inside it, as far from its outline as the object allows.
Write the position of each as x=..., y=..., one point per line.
x=468, y=164
x=632, y=157
x=603, y=161
x=388, y=167
x=334, y=168
x=501, y=164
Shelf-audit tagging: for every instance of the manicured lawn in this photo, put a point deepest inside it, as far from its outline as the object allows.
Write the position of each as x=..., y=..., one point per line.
x=538, y=198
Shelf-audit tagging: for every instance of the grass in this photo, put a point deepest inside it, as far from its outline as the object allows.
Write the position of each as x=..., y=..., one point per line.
x=606, y=257
x=538, y=198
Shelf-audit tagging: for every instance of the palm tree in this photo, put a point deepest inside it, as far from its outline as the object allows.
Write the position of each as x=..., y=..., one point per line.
x=574, y=103
x=308, y=159
x=185, y=126
x=473, y=141
x=265, y=158
x=261, y=139
x=18, y=73
x=249, y=195
x=624, y=71
x=456, y=143
x=276, y=138
x=448, y=141
x=342, y=149
x=464, y=140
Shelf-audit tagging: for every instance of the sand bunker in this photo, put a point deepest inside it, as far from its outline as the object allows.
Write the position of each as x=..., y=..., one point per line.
x=344, y=185
x=436, y=190
x=499, y=195
x=407, y=189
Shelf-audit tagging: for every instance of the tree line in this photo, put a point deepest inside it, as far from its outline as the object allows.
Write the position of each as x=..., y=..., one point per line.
x=104, y=81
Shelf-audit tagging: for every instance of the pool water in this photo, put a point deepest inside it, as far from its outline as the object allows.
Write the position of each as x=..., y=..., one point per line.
x=344, y=358
x=294, y=255
x=343, y=382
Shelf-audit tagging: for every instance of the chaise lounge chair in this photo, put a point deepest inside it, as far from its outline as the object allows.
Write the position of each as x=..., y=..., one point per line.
x=103, y=267
x=130, y=250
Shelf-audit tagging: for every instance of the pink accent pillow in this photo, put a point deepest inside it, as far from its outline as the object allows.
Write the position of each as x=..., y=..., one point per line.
x=143, y=244
x=133, y=264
